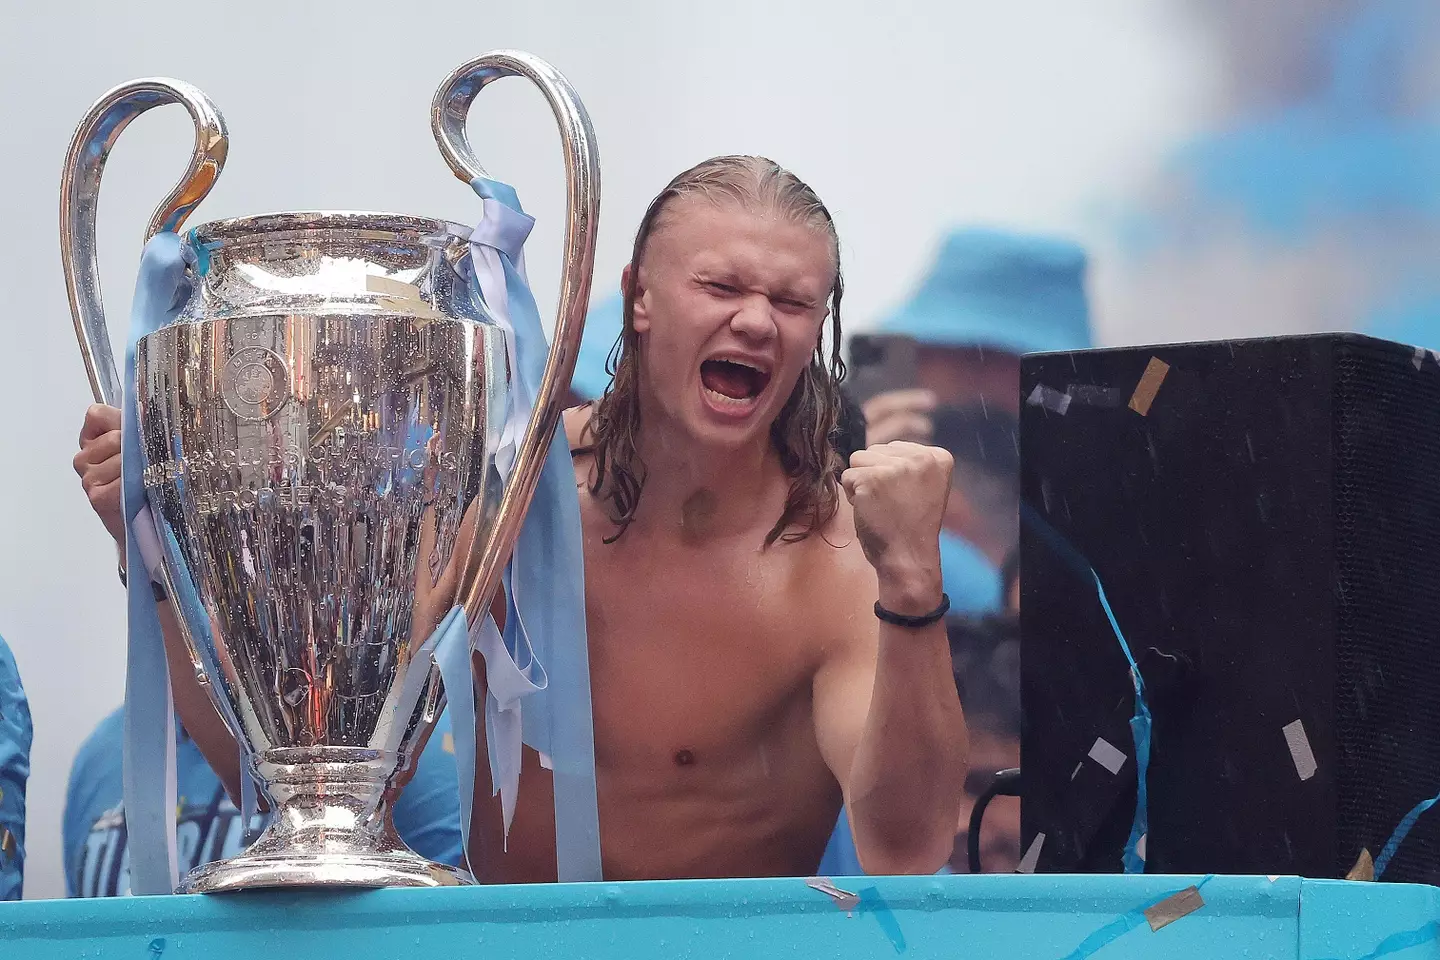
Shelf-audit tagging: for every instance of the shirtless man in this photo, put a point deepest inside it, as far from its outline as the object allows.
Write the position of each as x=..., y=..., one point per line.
x=743, y=683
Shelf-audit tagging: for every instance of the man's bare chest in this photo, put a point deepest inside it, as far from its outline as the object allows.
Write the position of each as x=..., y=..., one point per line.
x=697, y=660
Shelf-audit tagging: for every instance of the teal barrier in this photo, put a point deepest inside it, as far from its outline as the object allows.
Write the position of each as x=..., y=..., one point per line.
x=954, y=918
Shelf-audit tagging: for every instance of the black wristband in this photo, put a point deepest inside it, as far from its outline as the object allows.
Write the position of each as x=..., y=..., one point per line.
x=901, y=620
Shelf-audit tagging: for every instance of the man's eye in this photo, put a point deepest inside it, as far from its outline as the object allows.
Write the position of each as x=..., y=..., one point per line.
x=719, y=287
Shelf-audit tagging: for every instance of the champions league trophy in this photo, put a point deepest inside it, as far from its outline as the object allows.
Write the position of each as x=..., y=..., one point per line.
x=319, y=427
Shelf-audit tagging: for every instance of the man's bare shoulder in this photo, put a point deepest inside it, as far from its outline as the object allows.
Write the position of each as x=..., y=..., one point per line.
x=843, y=582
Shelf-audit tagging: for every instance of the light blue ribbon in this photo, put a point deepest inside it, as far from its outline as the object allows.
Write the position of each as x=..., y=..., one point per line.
x=149, y=761
x=541, y=657
x=1140, y=719
x=161, y=291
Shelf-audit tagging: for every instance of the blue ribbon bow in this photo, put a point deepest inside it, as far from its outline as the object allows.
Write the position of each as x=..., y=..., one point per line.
x=541, y=658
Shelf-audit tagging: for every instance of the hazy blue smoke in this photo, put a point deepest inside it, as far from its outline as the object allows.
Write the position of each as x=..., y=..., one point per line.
x=1325, y=160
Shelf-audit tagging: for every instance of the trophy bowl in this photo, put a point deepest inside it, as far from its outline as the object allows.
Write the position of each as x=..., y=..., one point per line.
x=319, y=426
x=311, y=449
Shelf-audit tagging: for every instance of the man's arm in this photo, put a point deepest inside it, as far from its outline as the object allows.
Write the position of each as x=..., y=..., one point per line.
x=98, y=464
x=888, y=718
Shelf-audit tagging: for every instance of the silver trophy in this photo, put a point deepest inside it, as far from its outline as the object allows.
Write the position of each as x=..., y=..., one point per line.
x=319, y=429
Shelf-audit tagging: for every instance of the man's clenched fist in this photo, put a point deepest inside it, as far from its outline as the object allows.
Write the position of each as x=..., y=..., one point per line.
x=899, y=490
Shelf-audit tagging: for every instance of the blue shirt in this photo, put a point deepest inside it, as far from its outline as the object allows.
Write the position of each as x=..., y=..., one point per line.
x=968, y=577
x=15, y=735
x=97, y=860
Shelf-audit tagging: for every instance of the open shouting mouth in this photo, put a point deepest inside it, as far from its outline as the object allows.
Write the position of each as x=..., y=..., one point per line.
x=732, y=385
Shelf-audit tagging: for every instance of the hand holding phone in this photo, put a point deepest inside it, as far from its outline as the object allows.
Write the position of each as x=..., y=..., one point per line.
x=900, y=415
x=880, y=363
x=882, y=379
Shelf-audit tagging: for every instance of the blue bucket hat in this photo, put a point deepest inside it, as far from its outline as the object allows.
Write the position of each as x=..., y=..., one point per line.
x=1005, y=291
x=602, y=328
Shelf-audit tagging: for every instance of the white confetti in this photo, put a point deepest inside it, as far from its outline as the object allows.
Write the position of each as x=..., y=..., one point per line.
x=844, y=899
x=1032, y=855
x=1049, y=398
x=1107, y=755
x=1300, y=751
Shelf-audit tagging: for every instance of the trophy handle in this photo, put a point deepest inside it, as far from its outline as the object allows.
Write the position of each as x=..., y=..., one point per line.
x=448, y=113
x=80, y=191
x=79, y=196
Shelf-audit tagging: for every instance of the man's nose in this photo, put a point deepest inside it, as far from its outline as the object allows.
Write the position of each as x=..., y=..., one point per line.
x=755, y=320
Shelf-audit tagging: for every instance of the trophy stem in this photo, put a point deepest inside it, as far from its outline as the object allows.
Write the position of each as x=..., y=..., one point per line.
x=331, y=826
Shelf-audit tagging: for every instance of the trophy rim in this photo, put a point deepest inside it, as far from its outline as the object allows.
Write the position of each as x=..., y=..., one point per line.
x=231, y=229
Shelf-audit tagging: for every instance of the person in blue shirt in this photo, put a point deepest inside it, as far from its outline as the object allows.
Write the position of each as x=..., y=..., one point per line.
x=989, y=297
x=15, y=736
x=208, y=827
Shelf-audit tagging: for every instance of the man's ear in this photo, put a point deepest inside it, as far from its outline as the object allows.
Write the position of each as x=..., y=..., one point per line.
x=632, y=287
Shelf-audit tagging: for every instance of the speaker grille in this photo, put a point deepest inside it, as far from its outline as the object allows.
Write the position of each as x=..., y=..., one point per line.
x=1387, y=566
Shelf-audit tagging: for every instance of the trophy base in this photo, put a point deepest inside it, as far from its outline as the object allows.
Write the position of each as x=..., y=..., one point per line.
x=268, y=871
x=330, y=826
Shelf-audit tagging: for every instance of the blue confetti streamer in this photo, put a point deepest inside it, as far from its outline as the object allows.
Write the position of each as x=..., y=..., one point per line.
x=1107, y=934
x=1121, y=925
x=1140, y=720
x=1398, y=837
x=1140, y=733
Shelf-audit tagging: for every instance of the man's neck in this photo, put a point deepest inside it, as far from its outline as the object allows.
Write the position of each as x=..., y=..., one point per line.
x=698, y=493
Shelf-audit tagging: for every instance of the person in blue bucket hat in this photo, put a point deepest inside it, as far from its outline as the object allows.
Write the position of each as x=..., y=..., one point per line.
x=15, y=736
x=989, y=297
x=1011, y=293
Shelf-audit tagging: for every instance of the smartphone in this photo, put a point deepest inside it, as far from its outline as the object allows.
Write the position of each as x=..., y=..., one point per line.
x=880, y=363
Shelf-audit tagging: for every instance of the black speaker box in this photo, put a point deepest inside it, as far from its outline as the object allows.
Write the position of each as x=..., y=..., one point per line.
x=1263, y=517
